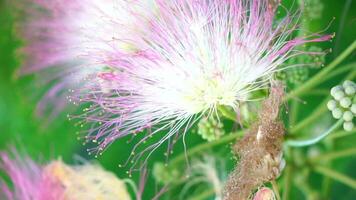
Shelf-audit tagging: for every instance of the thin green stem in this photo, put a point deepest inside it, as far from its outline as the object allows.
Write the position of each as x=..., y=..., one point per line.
x=302, y=143
x=326, y=186
x=317, y=92
x=275, y=189
x=327, y=182
x=303, y=184
x=200, y=148
x=315, y=80
x=341, y=70
x=336, y=176
x=132, y=184
x=287, y=182
x=293, y=112
x=203, y=195
x=311, y=118
x=341, y=134
x=335, y=155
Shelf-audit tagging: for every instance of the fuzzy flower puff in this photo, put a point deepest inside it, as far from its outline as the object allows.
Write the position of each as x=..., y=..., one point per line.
x=186, y=58
x=68, y=41
x=28, y=181
x=81, y=32
x=57, y=181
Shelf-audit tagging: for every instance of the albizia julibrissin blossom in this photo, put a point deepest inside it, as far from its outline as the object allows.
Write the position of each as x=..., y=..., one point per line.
x=68, y=40
x=182, y=59
x=28, y=180
x=57, y=181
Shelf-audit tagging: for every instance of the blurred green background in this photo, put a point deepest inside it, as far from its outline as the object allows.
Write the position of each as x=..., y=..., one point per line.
x=44, y=140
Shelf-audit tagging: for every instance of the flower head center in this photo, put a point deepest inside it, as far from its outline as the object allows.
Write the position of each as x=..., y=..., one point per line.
x=209, y=92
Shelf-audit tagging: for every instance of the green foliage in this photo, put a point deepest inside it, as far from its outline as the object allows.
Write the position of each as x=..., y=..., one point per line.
x=312, y=173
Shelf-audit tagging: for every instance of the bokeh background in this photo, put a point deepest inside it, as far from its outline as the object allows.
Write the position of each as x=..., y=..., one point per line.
x=44, y=138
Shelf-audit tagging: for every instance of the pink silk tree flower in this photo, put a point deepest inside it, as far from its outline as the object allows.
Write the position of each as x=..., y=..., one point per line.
x=28, y=180
x=192, y=57
x=68, y=40
x=58, y=181
x=74, y=33
x=170, y=63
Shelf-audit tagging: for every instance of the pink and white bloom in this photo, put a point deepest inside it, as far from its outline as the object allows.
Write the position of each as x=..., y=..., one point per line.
x=58, y=181
x=68, y=40
x=185, y=58
x=28, y=180
x=76, y=33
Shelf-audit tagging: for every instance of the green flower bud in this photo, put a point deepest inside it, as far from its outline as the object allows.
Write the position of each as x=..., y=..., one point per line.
x=350, y=90
x=314, y=9
x=337, y=113
x=347, y=116
x=345, y=102
x=210, y=129
x=335, y=89
x=331, y=105
x=281, y=75
x=348, y=126
x=338, y=95
x=348, y=83
x=164, y=174
x=353, y=109
x=298, y=75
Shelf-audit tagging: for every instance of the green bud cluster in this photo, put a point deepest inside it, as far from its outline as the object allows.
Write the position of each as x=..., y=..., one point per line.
x=317, y=60
x=165, y=174
x=343, y=104
x=314, y=9
x=210, y=129
x=314, y=59
x=298, y=75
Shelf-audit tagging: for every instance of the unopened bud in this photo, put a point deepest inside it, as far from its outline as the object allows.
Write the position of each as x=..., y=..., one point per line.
x=348, y=83
x=350, y=90
x=337, y=113
x=348, y=126
x=338, y=95
x=264, y=194
x=332, y=105
x=348, y=116
x=335, y=89
x=345, y=102
x=353, y=108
